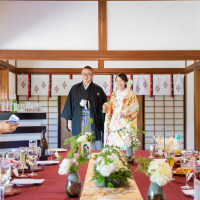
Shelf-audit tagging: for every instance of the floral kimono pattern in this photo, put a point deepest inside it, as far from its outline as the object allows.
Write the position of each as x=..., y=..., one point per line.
x=121, y=117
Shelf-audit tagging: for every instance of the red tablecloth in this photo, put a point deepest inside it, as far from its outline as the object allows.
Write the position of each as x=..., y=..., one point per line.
x=54, y=185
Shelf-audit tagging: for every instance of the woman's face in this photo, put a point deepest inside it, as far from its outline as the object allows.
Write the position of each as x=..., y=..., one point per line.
x=120, y=83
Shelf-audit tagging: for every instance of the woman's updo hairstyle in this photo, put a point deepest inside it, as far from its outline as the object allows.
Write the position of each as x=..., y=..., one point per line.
x=123, y=77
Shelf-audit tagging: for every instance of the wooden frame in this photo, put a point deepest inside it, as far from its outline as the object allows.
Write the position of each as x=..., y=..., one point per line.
x=197, y=109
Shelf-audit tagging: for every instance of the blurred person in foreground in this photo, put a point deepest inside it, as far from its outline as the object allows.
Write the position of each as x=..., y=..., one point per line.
x=6, y=127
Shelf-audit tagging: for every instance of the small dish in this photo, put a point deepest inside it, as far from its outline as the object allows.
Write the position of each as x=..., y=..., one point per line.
x=8, y=188
x=178, y=174
x=14, y=191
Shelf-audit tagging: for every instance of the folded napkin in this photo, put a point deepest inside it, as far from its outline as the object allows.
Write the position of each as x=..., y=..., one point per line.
x=48, y=162
x=188, y=192
x=27, y=181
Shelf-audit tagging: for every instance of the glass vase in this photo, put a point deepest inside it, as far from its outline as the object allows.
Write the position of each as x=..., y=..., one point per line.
x=73, y=186
x=155, y=192
x=130, y=154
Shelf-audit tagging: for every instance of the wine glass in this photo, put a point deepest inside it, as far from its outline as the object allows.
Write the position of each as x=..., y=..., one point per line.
x=187, y=167
x=5, y=177
x=32, y=157
x=23, y=157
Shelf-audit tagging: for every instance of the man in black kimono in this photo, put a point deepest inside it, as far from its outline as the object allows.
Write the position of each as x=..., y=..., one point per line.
x=85, y=101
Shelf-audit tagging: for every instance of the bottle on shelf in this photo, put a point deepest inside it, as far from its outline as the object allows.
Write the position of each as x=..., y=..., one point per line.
x=44, y=147
x=10, y=103
x=14, y=104
x=6, y=103
x=2, y=103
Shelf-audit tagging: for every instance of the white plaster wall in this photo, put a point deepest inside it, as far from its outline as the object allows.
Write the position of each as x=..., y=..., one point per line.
x=190, y=110
x=144, y=64
x=56, y=64
x=153, y=25
x=56, y=25
x=12, y=84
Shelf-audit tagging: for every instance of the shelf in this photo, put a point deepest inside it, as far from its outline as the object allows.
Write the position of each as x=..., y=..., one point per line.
x=23, y=116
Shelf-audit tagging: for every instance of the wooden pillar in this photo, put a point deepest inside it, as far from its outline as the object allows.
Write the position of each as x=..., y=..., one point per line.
x=140, y=119
x=197, y=109
x=4, y=83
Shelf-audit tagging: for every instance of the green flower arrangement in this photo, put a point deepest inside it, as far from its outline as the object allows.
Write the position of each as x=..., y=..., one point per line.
x=75, y=158
x=111, y=166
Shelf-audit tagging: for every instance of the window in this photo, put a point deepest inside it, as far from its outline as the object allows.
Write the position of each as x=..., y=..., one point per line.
x=163, y=113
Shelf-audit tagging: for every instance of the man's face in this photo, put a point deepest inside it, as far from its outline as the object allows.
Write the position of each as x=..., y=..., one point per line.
x=87, y=76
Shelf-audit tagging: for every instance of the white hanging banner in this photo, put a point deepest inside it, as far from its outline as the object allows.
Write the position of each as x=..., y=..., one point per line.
x=39, y=85
x=178, y=83
x=161, y=84
x=141, y=84
x=60, y=85
x=22, y=84
x=104, y=82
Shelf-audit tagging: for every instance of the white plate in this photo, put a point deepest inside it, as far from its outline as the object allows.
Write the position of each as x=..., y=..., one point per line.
x=27, y=181
x=59, y=149
x=48, y=162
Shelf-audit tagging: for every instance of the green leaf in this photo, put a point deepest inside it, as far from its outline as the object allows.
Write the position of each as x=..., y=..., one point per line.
x=100, y=181
x=59, y=157
x=110, y=185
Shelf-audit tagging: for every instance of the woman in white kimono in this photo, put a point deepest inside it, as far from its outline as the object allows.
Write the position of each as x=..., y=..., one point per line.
x=121, y=113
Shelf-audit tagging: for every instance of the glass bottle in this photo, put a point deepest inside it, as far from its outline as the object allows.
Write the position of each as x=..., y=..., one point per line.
x=10, y=103
x=2, y=104
x=14, y=104
x=6, y=103
x=44, y=147
x=177, y=144
x=195, y=167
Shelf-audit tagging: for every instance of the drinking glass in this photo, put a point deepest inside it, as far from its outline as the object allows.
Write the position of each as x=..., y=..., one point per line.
x=5, y=177
x=187, y=167
x=51, y=151
x=170, y=159
x=33, y=144
x=151, y=147
x=170, y=156
x=23, y=157
x=32, y=157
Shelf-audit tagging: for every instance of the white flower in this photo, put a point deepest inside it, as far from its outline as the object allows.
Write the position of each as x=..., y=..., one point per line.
x=160, y=152
x=82, y=138
x=83, y=102
x=64, y=167
x=160, y=172
x=129, y=83
x=88, y=133
x=106, y=170
x=118, y=164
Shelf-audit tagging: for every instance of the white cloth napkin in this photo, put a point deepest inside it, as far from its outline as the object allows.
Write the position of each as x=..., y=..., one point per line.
x=27, y=181
x=188, y=192
x=48, y=162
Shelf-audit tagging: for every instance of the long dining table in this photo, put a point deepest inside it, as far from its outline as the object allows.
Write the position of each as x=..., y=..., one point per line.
x=54, y=185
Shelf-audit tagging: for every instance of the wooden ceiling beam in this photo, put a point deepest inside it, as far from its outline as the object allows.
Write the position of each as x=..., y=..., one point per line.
x=102, y=70
x=5, y=65
x=190, y=68
x=99, y=55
